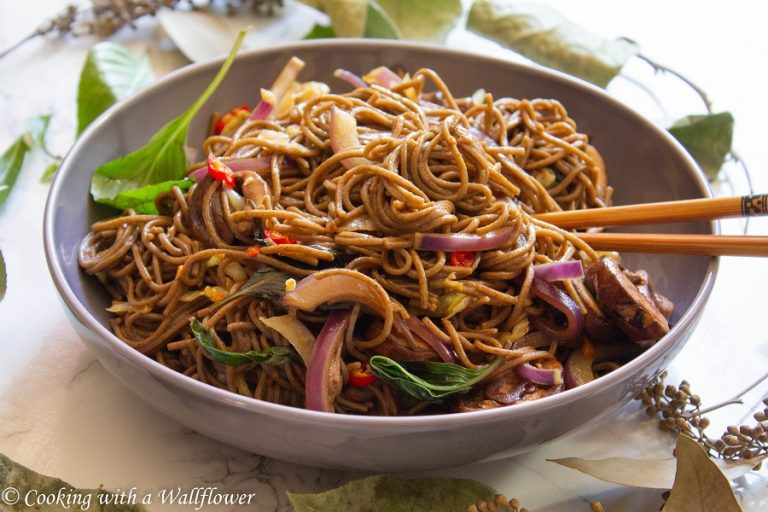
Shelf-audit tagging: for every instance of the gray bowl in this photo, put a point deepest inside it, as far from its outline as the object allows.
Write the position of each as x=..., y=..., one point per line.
x=644, y=163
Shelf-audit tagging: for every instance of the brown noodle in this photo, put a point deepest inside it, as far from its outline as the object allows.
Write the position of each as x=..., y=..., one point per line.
x=432, y=163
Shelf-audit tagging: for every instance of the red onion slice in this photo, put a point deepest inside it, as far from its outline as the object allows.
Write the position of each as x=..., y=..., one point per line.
x=561, y=301
x=383, y=76
x=259, y=163
x=543, y=376
x=419, y=329
x=316, y=289
x=343, y=135
x=323, y=383
x=349, y=77
x=199, y=174
x=281, y=85
x=559, y=270
x=463, y=242
x=263, y=110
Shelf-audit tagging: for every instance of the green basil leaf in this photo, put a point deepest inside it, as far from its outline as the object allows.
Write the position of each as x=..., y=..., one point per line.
x=266, y=283
x=3, y=277
x=319, y=31
x=143, y=199
x=544, y=36
x=163, y=159
x=110, y=73
x=396, y=494
x=269, y=356
x=707, y=137
x=11, y=162
x=423, y=20
x=427, y=380
x=378, y=24
x=25, y=481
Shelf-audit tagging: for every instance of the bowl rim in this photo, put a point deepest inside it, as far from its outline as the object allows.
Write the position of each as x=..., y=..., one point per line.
x=227, y=398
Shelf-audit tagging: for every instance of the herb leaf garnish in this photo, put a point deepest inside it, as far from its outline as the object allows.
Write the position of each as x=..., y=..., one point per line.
x=428, y=380
x=269, y=356
x=266, y=283
x=162, y=163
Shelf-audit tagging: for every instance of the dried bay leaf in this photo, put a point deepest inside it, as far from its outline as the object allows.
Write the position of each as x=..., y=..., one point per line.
x=707, y=137
x=647, y=473
x=699, y=483
x=544, y=36
x=395, y=494
x=423, y=20
x=22, y=479
x=357, y=18
x=207, y=34
x=320, y=32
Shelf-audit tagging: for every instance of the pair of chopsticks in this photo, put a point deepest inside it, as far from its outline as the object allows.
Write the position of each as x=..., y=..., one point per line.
x=666, y=212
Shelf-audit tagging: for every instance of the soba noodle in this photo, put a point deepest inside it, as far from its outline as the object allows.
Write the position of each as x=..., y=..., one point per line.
x=427, y=163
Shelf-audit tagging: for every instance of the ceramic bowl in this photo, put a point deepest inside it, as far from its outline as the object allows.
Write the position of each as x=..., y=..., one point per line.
x=644, y=164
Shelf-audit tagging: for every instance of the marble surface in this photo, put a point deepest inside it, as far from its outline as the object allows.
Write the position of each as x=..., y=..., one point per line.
x=62, y=414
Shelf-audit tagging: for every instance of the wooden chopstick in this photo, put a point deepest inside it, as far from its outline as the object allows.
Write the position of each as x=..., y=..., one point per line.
x=657, y=213
x=706, y=245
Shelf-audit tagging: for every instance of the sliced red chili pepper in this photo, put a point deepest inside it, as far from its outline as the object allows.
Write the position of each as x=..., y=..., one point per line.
x=219, y=171
x=278, y=238
x=361, y=377
x=226, y=118
x=462, y=258
x=253, y=251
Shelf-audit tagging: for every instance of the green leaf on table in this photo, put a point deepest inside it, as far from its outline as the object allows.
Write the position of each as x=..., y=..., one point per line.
x=707, y=137
x=395, y=494
x=38, y=128
x=3, y=277
x=50, y=170
x=320, y=32
x=544, y=36
x=699, y=483
x=161, y=162
x=110, y=73
x=11, y=162
x=16, y=481
x=269, y=356
x=357, y=18
x=423, y=20
x=428, y=380
x=378, y=24
x=648, y=473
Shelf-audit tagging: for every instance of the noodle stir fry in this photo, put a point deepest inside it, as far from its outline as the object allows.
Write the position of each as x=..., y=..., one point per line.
x=377, y=252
